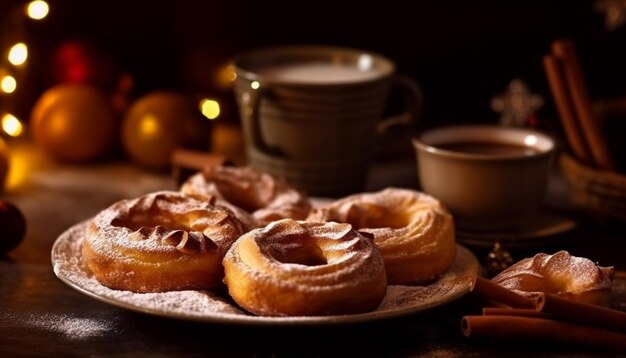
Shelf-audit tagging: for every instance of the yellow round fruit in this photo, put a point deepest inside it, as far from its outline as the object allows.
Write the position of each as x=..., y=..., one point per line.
x=158, y=123
x=74, y=123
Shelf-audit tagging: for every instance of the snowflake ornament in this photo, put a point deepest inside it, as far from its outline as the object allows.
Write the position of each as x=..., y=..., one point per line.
x=614, y=12
x=517, y=105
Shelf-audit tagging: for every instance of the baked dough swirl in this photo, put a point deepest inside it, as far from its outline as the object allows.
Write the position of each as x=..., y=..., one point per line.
x=162, y=241
x=265, y=197
x=414, y=232
x=296, y=268
x=575, y=278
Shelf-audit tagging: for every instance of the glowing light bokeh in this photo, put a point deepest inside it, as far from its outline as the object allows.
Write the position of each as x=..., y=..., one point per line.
x=255, y=85
x=149, y=126
x=365, y=62
x=8, y=84
x=210, y=108
x=531, y=140
x=18, y=54
x=11, y=125
x=21, y=166
x=37, y=9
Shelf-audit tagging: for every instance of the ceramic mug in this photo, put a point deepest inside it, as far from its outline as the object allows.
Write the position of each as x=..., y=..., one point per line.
x=312, y=114
x=491, y=178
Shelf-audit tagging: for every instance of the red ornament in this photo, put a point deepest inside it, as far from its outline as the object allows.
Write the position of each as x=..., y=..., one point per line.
x=80, y=62
x=13, y=226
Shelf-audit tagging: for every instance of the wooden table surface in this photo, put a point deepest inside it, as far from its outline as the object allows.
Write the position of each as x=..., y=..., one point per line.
x=41, y=316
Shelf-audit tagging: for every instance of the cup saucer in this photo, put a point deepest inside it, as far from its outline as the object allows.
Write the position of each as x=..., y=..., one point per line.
x=543, y=228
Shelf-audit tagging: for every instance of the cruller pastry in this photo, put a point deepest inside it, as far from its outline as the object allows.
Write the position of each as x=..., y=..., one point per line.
x=265, y=197
x=161, y=241
x=297, y=268
x=575, y=278
x=414, y=232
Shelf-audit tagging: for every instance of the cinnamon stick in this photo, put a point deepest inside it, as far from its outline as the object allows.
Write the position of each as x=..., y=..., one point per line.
x=497, y=293
x=524, y=312
x=566, y=51
x=198, y=160
x=542, y=329
x=186, y=162
x=582, y=312
x=558, y=86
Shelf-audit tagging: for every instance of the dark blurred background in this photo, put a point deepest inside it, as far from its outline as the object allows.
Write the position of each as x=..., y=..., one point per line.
x=461, y=52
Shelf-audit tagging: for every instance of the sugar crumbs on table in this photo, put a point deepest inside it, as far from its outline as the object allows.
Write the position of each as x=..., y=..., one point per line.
x=72, y=327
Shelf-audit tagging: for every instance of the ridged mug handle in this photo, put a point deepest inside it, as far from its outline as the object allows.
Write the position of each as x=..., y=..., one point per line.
x=414, y=102
x=252, y=101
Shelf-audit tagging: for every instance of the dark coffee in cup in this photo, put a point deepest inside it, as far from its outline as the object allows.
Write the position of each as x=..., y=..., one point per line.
x=490, y=148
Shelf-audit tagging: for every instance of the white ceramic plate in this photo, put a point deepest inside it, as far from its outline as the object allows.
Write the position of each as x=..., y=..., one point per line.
x=206, y=306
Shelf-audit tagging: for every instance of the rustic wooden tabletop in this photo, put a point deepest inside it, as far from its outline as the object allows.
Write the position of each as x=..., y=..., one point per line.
x=41, y=316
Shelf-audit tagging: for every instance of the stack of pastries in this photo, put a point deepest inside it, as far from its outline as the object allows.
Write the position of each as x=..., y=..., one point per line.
x=276, y=254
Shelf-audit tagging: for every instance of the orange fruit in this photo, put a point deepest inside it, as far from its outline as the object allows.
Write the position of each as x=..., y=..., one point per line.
x=158, y=123
x=74, y=123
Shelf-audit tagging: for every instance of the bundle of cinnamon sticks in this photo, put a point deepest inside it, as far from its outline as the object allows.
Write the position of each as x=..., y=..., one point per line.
x=568, y=87
x=547, y=318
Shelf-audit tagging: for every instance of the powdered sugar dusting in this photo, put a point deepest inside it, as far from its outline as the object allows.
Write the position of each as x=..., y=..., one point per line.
x=212, y=307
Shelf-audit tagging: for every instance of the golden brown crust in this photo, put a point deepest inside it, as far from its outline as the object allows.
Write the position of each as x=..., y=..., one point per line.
x=266, y=198
x=575, y=278
x=414, y=232
x=295, y=268
x=161, y=241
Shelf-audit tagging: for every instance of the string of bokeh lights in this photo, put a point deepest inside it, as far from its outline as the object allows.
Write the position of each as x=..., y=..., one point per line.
x=14, y=59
